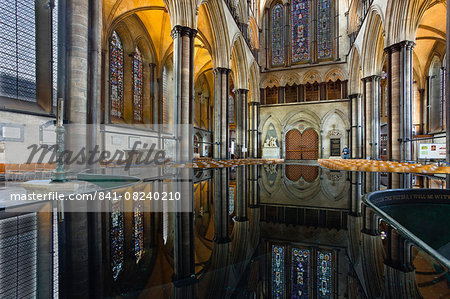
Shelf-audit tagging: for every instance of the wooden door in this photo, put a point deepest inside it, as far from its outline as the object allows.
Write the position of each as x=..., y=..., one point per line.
x=293, y=145
x=310, y=145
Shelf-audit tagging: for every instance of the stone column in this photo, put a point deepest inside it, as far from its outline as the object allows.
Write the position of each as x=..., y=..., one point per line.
x=372, y=116
x=356, y=119
x=241, y=192
x=221, y=126
x=241, y=122
x=253, y=131
x=183, y=70
x=447, y=94
x=400, y=96
x=322, y=91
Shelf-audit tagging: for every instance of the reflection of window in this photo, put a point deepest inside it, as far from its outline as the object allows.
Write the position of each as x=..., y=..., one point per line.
x=116, y=76
x=137, y=85
x=300, y=273
x=117, y=239
x=138, y=221
x=278, y=279
x=294, y=273
x=277, y=35
x=18, y=50
x=324, y=274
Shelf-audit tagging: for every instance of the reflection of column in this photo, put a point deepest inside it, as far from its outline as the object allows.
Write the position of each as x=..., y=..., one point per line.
x=241, y=121
x=372, y=254
x=221, y=198
x=221, y=128
x=400, y=89
x=399, y=271
x=183, y=71
x=241, y=192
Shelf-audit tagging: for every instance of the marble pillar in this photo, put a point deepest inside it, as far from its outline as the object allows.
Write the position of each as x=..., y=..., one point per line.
x=253, y=129
x=221, y=126
x=241, y=122
x=400, y=100
x=372, y=102
x=356, y=130
x=183, y=84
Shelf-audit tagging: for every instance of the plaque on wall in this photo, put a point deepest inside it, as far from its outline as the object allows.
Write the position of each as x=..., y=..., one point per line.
x=335, y=147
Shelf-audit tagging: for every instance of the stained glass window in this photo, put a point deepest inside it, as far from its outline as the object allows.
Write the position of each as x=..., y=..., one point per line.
x=278, y=54
x=138, y=216
x=137, y=86
x=324, y=30
x=117, y=239
x=300, y=273
x=324, y=274
x=300, y=30
x=278, y=271
x=116, y=76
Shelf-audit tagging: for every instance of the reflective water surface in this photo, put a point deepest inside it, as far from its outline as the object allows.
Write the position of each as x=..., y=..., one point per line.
x=268, y=231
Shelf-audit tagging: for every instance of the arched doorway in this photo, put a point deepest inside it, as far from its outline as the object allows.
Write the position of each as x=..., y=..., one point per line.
x=302, y=146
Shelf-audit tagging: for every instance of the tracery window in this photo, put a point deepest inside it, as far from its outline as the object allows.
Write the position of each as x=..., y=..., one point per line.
x=311, y=22
x=300, y=30
x=278, y=53
x=137, y=85
x=116, y=76
x=436, y=95
x=324, y=30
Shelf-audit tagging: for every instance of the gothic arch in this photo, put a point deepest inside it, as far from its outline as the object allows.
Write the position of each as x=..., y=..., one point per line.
x=355, y=74
x=254, y=79
x=270, y=81
x=341, y=115
x=311, y=77
x=334, y=74
x=290, y=79
x=373, y=44
x=293, y=118
x=239, y=62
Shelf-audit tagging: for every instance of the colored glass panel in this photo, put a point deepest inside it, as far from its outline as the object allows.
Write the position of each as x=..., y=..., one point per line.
x=116, y=76
x=300, y=30
x=117, y=239
x=138, y=232
x=137, y=85
x=325, y=42
x=278, y=55
x=324, y=274
x=278, y=273
x=300, y=273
